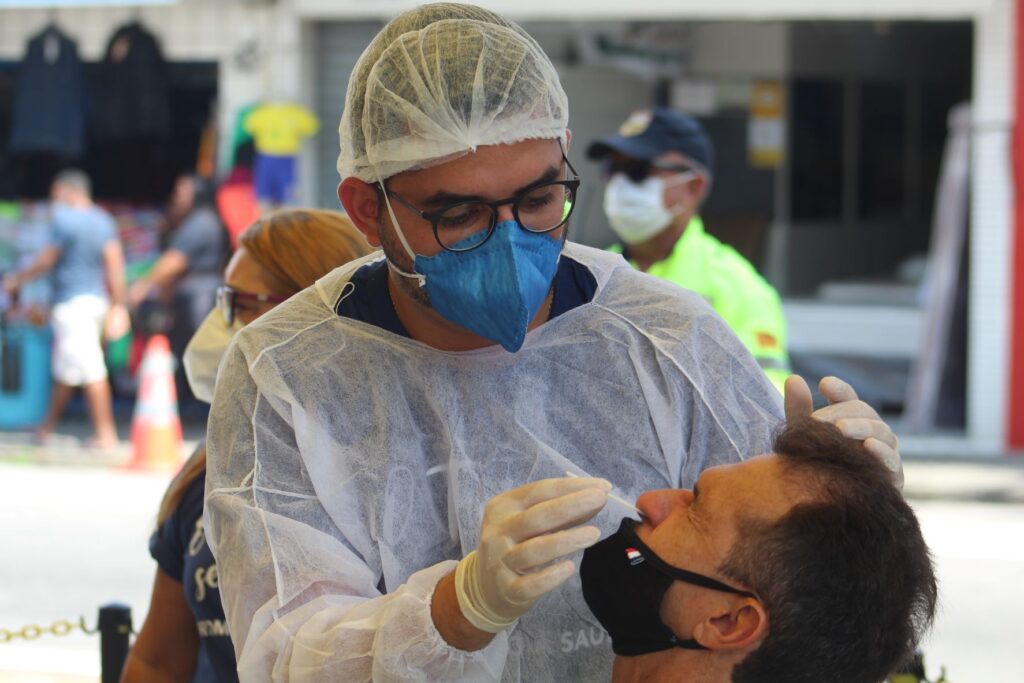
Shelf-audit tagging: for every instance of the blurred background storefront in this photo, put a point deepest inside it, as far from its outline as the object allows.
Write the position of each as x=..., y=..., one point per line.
x=831, y=122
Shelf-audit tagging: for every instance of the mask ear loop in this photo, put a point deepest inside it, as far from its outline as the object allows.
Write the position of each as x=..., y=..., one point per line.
x=679, y=179
x=679, y=574
x=405, y=243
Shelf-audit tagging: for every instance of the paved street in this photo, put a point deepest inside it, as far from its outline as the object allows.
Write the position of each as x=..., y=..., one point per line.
x=74, y=537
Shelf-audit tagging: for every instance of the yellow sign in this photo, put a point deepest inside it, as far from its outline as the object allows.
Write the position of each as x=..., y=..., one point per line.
x=766, y=127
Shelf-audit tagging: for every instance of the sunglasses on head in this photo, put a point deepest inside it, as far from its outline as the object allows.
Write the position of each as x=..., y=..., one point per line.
x=228, y=298
x=637, y=170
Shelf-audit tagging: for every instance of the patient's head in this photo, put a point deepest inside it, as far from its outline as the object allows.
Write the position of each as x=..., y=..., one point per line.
x=818, y=571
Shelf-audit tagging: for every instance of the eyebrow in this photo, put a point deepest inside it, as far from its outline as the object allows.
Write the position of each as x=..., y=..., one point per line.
x=443, y=198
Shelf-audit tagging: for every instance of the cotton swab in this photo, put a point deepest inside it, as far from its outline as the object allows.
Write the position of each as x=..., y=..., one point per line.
x=617, y=499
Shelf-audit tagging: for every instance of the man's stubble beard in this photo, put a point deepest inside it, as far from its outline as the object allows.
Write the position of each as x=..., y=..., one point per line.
x=396, y=254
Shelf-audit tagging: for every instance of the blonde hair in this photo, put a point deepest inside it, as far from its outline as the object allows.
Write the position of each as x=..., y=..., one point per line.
x=298, y=246
x=295, y=247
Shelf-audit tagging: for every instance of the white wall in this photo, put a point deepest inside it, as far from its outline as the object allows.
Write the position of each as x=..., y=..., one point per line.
x=748, y=50
x=991, y=228
x=187, y=31
x=594, y=10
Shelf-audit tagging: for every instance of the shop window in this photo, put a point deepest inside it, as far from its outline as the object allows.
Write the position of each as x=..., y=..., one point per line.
x=817, y=150
x=882, y=138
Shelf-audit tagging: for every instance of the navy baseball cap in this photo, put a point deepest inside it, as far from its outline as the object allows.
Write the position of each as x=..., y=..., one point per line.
x=649, y=133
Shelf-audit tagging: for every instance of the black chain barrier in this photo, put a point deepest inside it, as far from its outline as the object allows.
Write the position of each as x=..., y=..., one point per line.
x=114, y=625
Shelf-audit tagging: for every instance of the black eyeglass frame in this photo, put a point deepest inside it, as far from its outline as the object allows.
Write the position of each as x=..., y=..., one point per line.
x=227, y=298
x=434, y=216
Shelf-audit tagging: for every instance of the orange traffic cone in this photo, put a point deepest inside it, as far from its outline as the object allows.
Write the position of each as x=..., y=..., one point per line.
x=156, y=429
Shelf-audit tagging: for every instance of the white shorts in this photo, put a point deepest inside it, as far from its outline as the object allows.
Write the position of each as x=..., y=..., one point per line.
x=77, y=331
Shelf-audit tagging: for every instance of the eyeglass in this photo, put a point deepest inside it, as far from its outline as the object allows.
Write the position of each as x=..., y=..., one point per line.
x=637, y=170
x=539, y=208
x=228, y=298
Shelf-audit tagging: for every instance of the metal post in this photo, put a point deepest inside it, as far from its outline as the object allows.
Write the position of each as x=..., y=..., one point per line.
x=115, y=627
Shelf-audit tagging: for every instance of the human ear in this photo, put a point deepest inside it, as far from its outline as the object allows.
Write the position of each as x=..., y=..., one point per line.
x=738, y=627
x=695, y=189
x=362, y=204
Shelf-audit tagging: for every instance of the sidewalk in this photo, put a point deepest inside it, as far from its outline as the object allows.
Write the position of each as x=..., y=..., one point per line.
x=982, y=480
x=67, y=446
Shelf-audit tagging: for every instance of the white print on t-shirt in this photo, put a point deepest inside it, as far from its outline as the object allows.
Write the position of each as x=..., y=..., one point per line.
x=212, y=627
x=206, y=577
x=198, y=539
x=572, y=641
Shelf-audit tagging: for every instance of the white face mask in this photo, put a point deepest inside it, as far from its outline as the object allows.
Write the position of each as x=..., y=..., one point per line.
x=637, y=211
x=204, y=352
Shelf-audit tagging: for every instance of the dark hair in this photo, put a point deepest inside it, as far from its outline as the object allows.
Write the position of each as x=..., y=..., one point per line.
x=76, y=179
x=204, y=191
x=847, y=581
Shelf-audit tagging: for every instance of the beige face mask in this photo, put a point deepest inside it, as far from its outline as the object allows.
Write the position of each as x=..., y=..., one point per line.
x=204, y=352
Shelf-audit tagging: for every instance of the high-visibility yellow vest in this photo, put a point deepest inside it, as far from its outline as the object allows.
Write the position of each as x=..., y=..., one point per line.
x=744, y=299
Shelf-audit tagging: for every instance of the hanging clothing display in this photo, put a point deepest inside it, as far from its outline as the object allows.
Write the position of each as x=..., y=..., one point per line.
x=278, y=130
x=132, y=92
x=49, y=109
x=131, y=119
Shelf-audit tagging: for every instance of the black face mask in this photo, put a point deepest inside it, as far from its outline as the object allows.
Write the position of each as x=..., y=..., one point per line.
x=624, y=583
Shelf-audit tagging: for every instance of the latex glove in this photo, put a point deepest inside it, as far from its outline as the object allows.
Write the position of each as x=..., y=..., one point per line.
x=524, y=531
x=854, y=418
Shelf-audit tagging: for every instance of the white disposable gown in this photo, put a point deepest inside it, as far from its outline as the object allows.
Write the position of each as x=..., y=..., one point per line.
x=349, y=468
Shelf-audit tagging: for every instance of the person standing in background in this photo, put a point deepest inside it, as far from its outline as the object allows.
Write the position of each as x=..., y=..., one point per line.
x=87, y=266
x=658, y=173
x=188, y=272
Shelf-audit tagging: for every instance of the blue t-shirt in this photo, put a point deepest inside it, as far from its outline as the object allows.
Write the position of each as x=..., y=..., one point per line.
x=80, y=235
x=369, y=301
x=180, y=550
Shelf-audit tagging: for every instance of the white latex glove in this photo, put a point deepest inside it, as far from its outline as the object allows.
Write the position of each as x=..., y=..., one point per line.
x=523, y=530
x=854, y=418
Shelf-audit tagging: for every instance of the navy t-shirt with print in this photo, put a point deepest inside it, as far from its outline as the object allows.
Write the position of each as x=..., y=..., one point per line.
x=179, y=548
x=370, y=302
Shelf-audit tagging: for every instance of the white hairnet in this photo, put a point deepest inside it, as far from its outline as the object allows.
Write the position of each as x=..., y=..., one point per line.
x=440, y=80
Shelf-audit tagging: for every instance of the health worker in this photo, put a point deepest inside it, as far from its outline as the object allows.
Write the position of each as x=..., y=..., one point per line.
x=386, y=491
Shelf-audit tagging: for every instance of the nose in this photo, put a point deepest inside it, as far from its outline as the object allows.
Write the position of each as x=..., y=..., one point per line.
x=658, y=505
x=505, y=213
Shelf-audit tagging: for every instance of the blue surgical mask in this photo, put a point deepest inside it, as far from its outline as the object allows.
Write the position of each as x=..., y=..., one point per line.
x=494, y=290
